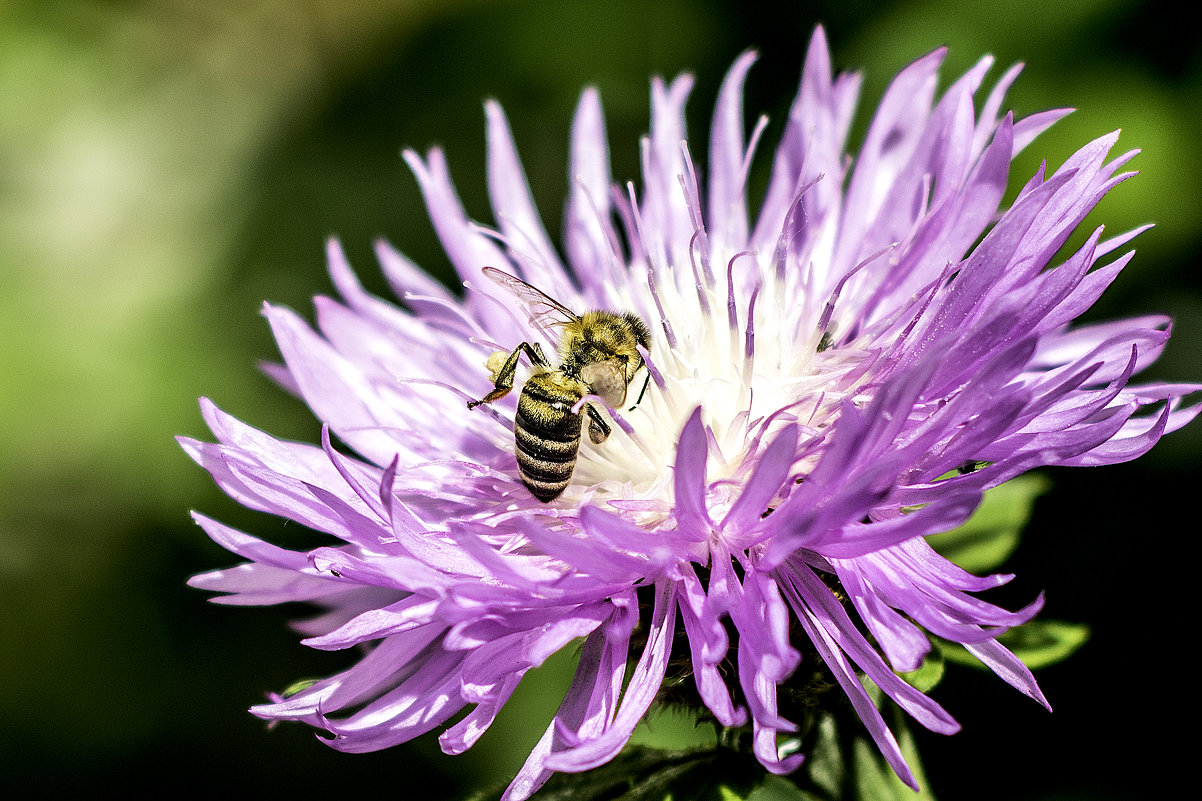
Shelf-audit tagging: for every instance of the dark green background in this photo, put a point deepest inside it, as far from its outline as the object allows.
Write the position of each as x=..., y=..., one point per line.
x=167, y=166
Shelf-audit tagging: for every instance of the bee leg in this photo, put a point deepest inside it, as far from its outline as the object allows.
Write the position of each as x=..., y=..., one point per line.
x=504, y=379
x=642, y=392
x=598, y=429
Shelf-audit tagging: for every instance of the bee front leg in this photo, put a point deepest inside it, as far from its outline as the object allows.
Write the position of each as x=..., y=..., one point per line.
x=598, y=429
x=503, y=379
x=646, y=382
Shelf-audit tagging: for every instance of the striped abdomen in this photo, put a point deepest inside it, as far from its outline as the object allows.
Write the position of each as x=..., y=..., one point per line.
x=547, y=433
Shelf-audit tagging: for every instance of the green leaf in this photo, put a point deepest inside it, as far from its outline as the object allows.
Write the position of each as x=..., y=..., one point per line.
x=671, y=728
x=778, y=788
x=728, y=794
x=987, y=538
x=298, y=686
x=640, y=773
x=1045, y=642
x=928, y=674
x=825, y=763
x=1038, y=644
x=876, y=781
x=909, y=749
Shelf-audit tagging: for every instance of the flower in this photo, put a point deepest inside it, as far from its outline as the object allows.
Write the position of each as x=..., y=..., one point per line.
x=830, y=380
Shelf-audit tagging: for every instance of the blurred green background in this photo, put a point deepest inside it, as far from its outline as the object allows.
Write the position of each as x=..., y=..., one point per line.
x=167, y=165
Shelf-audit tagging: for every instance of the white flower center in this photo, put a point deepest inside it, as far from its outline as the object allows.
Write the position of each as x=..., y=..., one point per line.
x=750, y=380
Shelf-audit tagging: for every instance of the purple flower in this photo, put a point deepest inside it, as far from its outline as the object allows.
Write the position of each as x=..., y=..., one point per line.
x=831, y=378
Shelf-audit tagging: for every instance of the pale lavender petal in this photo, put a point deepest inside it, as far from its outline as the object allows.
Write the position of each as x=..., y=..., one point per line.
x=708, y=643
x=420, y=703
x=491, y=673
x=405, y=277
x=514, y=209
x=640, y=692
x=404, y=615
x=829, y=615
x=845, y=675
x=998, y=659
x=691, y=457
x=728, y=161
x=378, y=671
x=590, y=702
x=468, y=248
x=589, y=236
x=770, y=473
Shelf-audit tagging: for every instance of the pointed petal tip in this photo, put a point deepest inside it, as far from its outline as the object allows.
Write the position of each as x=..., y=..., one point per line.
x=745, y=59
x=272, y=311
x=424, y=167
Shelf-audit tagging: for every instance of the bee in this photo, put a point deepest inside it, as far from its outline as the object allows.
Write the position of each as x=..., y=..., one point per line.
x=598, y=353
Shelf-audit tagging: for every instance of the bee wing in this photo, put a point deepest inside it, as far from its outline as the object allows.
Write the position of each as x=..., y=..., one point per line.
x=544, y=310
x=606, y=379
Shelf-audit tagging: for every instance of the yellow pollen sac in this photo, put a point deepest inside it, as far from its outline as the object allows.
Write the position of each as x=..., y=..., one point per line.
x=495, y=362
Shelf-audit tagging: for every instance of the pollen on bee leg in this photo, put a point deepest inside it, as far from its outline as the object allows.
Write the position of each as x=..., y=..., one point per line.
x=496, y=361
